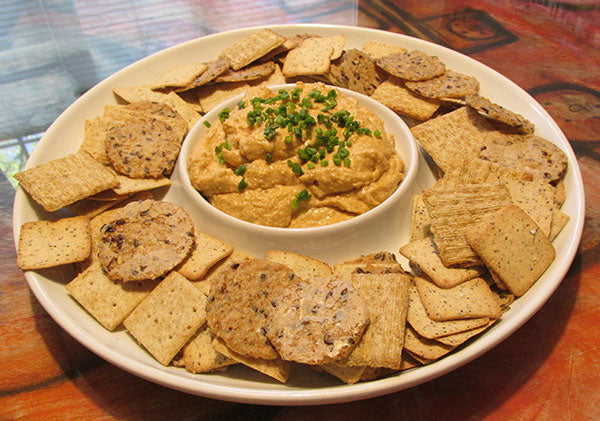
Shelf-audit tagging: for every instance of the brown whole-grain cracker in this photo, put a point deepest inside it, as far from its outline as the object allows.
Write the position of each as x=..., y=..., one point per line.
x=412, y=65
x=180, y=76
x=449, y=85
x=206, y=252
x=252, y=47
x=355, y=70
x=498, y=112
x=214, y=69
x=254, y=72
x=376, y=263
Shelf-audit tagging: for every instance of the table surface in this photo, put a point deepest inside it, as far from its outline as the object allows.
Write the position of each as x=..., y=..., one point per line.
x=52, y=52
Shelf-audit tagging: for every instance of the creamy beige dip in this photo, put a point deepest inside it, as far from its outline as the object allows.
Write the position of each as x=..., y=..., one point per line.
x=266, y=174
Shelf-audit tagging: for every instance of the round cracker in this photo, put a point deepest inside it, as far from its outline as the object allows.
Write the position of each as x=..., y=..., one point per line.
x=317, y=321
x=412, y=65
x=145, y=240
x=239, y=302
x=449, y=85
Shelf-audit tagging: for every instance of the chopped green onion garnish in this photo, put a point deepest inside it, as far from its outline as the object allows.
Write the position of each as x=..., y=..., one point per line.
x=268, y=158
x=311, y=166
x=296, y=168
x=324, y=162
x=242, y=184
x=207, y=124
x=241, y=105
x=347, y=162
x=224, y=114
x=302, y=195
x=377, y=133
x=240, y=170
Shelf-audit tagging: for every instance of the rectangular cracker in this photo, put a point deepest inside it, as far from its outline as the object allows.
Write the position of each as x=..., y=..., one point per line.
x=348, y=375
x=512, y=245
x=452, y=137
x=199, y=356
x=168, y=317
x=180, y=76
x=423, y=349
x=387, y=300
x=469, y=300
x=45, y=244
x=251, y=48
x=66, y=180
x=395, y=96
x=142, y=93
x=110, y=302
x=212, y=95
x=377, y=49
x=425, y=255
x=380, y=263
x=559, y=220
x=476, y=171
x=462, y=337
x=90, y=208
x=129, y=185
x=536, y=198
x=312, y=57
x=206, y=253
x=94, y=133
x=453, y=210
x=303, y=266
x=431, y=329
x=420, y=223
x=277, y=369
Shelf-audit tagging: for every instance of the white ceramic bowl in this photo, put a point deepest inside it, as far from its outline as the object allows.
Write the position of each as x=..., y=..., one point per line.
x=313, y=241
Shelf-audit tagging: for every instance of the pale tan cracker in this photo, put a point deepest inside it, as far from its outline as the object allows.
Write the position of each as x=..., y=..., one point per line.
x=471, y=299
x=378, y=263
x=474, y=171
x=212, y=95
x=275, y=368
x=416, y=357
x=214, y=68
x=355, y=70
x=419, y=320
x=423, y=349
x=303, y=266
x=387, y=300
x=395, y=96
x=420, y=223
x=66, y=180
x=312, y=57
x=188, y=113
x=449, y=85
x=180, y=76
x=145, y=113
x=235, y=258
x=497, y=281
x=412, y=65
x=45, y=244
x=337, y=43
x=252, y=47
x=462, y=337
x=93, y=139
x=140, y=93
x=453, y=210
x=129, y=185
x=452, y=137
x=536, y=198
x=377, y=49
x=513, y=246
x=408, y=361
x=254, y=72
x=191, y=99
x=559, y=220
x=90, y=208
x=289, y=43
x=499, y=113
x=425, y=255
x=144, y=240
x=168, y=317
x=348, y=375
x=110, y=302
x=560, y=194
x=206, y=251
x=199, y=356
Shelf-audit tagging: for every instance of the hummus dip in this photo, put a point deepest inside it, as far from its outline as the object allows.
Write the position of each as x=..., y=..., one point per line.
x=306, y=157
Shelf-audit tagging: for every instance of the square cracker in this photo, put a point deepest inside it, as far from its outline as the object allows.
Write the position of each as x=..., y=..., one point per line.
x=425, y=255
x=462, y=337
x=395, y=96
x=206, y=252
x=377, y=50
x=303, y=266
x=66, y=180
x=129, y=185
x=312, y=57
x=513, y=246
x=559, y=220
x=168, y=317
x=423, y=349
x=420, y=223
x=236, y=257
x=180, y=76
x=141, y=93
x=387, y=300
x=471, y=299
x=110, y=302
x=94, y=133
x=91, y=208
x=251, y=48
x=200, y=357
x=45, y=244
x=453, y=210
x=536, y=198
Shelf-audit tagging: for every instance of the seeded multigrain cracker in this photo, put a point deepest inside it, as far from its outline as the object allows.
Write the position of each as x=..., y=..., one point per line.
x=476, y=171
x=377, y=50
x=168, y=317
x=499, y=113
x=110, y=302
x=233, y=260
x=251, y=48
x=356, y=70
x=248, y=73
x=303, y=266
x=144, y=240
x=129, y=185
x=420, y=223
x=66, y=180
x=379, y=263
x=449, y=85
x=240, y=300
x=180, y=76
x=199, y=356
x=423, y=349
x=141, y=93
x=45, y=244
x=513, y=246
x=536, y=198
x=94, y=134
x=206, y=251
x=393, y=94
x=412, y=65
x=471, y=299
x=317, y=321
x=453, y=210
x=312, y=57
x=452, y=137
x=214, y=68
x=559, y=220
x=462, y=337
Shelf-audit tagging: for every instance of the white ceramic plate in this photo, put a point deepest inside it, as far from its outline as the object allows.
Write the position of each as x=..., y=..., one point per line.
x=305, y=387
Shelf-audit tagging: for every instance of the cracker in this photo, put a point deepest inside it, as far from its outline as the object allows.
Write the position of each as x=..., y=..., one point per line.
x=184, y=109
x=374, y=373
x=206, y=251
x=94, y=133
x=240, y=301
x=254, y=72
x=66, y=180
x=559, y=220
x=420, y=223
x=275, y=368
x=235, y=258
x=471, y=299
x=412, y=65
x=462, y=337
x=376, y=263
x=449, y=85
x=536, y=198
x=90, y=208
x=110, y=302
x=425, y=255
x=199, y=356
x=251, y=48
x=144, y=240
x=303, y=266
x=533, y=154
x=312, y=57
x=213, y=70
x=348, y=375
x=453, y=210
x=140, y=93
x=168, y=317
x=452, y=137
x=145, y=113
x=395, y=96
x=504, y=299
x=513, y=246
x=476, y=171
x=387, y=301
x=377, y=50
x=423, y=349
x=497, y=112
x=129, y=185
x=317, y=321
x=355, y=70
x=45, y=244
x=180, y=76
x=212, y=95
x=431, y=329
